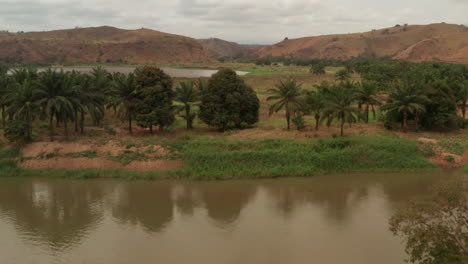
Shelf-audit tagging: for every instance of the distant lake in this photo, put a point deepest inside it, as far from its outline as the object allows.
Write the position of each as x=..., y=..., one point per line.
x=173, y=72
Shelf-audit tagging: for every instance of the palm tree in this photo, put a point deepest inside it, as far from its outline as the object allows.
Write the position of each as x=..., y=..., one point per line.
x=123, y=92
x=343, y=75
x=315, y=104
x=287, y=94
x=406, y=99
x=23, y=104
x=338, y=105
x=368, y=94
x=90, y=100
x=187, y=94
x=55, y=96
x=100, y=80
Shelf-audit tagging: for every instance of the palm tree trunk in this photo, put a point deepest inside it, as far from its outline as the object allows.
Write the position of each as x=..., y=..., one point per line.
x=317, y=119
x=367, y=113
x=188, y=117
x=342, y=124
x=57, y=118
x=130, y=123
x=82, y=122
x=373, y=111
x=359, y=110
x=65, y=124
x=76, y=120
x=51, y=126
x=416, y=120
x=405, y=121
x=288, y=116
x=3, y=117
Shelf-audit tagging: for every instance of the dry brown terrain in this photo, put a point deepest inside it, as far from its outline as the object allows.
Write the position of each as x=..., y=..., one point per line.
x=110, y=155
x=100, y=44
x=225, y=49
x=435, y=42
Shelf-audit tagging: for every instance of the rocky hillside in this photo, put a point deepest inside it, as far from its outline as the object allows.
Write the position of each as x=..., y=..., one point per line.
x=435, y=42
x=225, y=49
x=100, y=44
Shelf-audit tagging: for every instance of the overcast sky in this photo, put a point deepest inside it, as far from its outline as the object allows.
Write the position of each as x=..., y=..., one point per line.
x=243, y=21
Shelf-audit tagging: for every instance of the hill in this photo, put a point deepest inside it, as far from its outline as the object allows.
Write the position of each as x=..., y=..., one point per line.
x=434, y=42
x=100, y=44
x=225, y=49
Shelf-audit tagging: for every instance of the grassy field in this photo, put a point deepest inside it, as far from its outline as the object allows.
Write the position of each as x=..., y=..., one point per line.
x=220, y=158
x=207, y=158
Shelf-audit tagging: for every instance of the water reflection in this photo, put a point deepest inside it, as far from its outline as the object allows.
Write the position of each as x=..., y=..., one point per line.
x=339, y=195
x=57, y=216
x=268, y=221
x=147, y=204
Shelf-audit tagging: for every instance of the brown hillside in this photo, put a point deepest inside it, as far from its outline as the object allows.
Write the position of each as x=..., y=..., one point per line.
x=100, y=44
x=225, y=49
x=435, y=42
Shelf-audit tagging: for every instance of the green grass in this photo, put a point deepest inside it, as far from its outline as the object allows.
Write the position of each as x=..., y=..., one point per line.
x=218, y=158
x=453, y=146
x=222, y=159
x=465, y=168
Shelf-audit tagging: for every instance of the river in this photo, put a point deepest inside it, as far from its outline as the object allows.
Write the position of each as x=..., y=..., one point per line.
x=173, y=72
x=326, y=219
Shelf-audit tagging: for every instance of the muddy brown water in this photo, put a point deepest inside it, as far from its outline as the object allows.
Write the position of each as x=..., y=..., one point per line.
x=173, y=72
x=325, y=219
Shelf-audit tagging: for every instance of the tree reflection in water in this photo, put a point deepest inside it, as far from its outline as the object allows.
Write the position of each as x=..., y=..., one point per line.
x=55, y=213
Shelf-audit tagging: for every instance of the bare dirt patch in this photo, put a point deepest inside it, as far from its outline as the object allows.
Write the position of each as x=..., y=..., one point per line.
x=66, y=163
x=76, y=155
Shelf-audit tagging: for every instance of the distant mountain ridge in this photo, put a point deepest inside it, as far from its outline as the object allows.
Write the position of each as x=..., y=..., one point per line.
x=226, y=49
x=434, y=42
x=100, y=44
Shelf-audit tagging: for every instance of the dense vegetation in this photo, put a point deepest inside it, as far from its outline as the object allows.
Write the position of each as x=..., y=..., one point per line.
x=435, y=230
x=429, y=96
x=227, y=102
x=146, y=96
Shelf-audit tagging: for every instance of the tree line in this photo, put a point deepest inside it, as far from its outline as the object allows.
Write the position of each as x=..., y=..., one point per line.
x=429, y=96
x=145, y=97
x=413, y=95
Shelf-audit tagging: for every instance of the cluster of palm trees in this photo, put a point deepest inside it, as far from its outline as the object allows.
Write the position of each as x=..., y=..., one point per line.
x=350, y=102
x=328, y=102
x=61, y=98
x=64, y=97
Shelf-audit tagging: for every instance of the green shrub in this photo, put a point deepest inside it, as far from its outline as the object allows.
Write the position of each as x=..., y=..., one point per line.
x=449, y=158
x=298, y=121
x=17, y=132
x=50, y=155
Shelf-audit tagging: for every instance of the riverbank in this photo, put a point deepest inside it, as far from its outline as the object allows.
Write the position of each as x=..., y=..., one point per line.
x=218, y=158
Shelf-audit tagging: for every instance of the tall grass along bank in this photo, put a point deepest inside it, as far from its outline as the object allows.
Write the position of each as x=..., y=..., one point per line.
x=208, y=158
